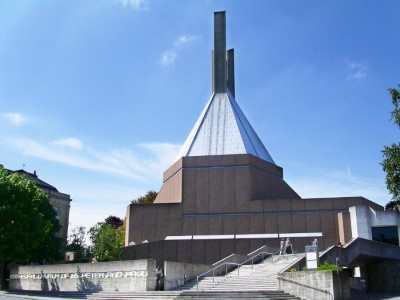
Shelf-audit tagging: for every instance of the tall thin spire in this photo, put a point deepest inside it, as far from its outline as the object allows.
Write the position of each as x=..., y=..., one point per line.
x=230, y=62
x=222, y=128
x=219, y=54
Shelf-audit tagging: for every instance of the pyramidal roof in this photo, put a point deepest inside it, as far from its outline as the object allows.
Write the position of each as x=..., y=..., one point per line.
x=222, y=128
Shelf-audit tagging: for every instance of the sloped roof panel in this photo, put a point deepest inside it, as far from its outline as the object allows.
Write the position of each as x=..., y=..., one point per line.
x=223, y=129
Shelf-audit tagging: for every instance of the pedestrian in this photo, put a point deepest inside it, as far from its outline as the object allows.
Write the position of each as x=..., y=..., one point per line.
x=158, y=279
x=282, y=247
x=288, y=247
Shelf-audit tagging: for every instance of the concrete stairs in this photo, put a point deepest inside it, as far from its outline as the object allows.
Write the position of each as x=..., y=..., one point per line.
x=191, y=295
x=271, y=295
x=165, y=295
x=260, y=277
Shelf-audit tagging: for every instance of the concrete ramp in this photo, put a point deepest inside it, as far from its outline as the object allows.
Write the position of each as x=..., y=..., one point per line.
x=360, y=251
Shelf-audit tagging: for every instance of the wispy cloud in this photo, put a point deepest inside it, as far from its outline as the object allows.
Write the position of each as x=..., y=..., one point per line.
x=169, y=56
x=357, y=71
x=14, y=118
x=339, y=183
x=71, y=142
x=134, y=4
x=117, y=162
x=107, y=198
x=184, y=39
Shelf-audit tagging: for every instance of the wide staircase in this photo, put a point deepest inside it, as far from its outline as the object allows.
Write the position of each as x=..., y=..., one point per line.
x=257, y=277
x=258, y=281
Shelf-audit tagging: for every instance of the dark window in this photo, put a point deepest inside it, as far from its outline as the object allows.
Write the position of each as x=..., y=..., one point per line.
x=388, y=235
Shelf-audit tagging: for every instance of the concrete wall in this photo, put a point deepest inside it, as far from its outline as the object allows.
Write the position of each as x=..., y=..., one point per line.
x=191, y=251
x=231, y=216
x=176, y=274
x=124, y=276
x=316, y=285
x=232, y=195
x=344, y=227
x=363, y=218
x=361, y=251
x=360, y=225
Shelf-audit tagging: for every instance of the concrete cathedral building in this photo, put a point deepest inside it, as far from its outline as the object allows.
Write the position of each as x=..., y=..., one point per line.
x=225, y=194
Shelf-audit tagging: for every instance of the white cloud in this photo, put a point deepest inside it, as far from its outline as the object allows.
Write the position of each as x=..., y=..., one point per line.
x=71, y=142
x=339, y=183
x=184, y=39
x=15, y=118
x=168, y=57
x=134, y=4
x=117, y=162
x=357, y=70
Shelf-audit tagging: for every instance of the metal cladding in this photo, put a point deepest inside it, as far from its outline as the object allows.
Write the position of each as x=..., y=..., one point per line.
x=222, y=128
x=230, y=62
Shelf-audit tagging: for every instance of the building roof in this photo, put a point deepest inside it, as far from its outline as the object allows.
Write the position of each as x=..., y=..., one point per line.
x=223, y=129
x=33, y=177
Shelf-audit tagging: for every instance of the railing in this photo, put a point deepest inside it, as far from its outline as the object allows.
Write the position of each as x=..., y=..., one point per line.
x=226, y=264
x=331, y=296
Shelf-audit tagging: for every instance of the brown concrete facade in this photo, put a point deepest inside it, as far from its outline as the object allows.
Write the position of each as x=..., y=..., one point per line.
x=235, y=195
x=193, y=251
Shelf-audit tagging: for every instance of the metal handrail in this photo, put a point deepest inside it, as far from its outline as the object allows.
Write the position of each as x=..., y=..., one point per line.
x=331, y=296
x=230, y=263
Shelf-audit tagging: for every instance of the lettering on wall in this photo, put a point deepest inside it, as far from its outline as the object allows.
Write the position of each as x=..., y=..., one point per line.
x=79, y=275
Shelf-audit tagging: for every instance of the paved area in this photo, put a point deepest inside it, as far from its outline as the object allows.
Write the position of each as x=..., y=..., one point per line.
x=6, y=296
x=355, y=296
x=374, y=296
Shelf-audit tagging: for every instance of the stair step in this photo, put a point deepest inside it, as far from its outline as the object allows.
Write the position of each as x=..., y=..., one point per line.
x=257, y=277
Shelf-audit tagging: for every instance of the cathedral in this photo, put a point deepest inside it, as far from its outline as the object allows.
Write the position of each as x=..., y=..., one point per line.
x=225, y=194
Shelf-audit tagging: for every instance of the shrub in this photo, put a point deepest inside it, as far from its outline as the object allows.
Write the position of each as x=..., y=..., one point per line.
x=326, y=266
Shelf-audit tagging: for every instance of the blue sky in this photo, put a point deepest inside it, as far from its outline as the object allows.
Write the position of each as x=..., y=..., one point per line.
x=98, y=96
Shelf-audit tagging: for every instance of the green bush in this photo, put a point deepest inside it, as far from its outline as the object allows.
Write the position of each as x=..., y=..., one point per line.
x=326, y=266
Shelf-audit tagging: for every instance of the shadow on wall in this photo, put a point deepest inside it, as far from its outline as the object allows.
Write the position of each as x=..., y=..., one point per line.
x=85, y=285
x=45, y=284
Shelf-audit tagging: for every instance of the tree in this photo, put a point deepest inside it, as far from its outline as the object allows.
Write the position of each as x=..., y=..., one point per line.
x=77, y=243
x=107, y=239
x=146, y=199
x=49, y=250
x=391, y=162
x=28, y=223
x=114, y=221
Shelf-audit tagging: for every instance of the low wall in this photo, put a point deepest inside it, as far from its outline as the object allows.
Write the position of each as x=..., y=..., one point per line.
x=124, y=276
x=316, y=284
x=176, y=274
